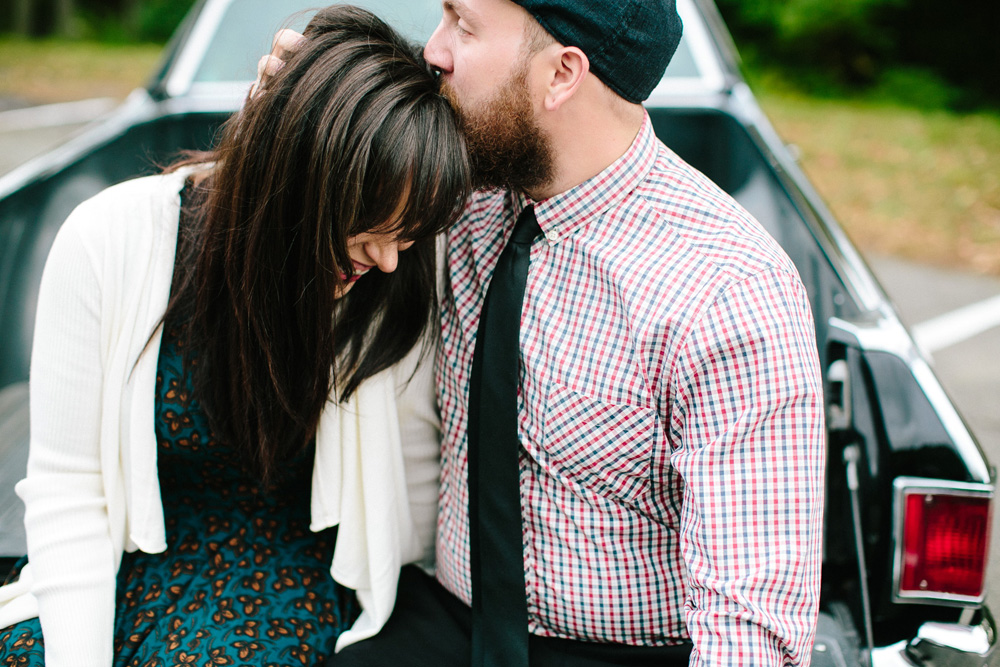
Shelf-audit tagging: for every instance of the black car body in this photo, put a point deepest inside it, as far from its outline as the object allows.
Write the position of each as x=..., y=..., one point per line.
x=902, y=463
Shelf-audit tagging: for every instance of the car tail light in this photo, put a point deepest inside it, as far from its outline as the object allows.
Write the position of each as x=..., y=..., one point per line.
x=942, y=540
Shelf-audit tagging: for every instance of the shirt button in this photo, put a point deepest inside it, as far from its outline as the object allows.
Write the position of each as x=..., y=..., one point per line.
x=552, y=237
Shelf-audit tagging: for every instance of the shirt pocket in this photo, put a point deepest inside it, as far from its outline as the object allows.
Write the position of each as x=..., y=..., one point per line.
x=602, y=446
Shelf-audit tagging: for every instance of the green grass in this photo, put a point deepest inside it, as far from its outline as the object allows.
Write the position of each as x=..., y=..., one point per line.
x=41, y=72
x=917, y=183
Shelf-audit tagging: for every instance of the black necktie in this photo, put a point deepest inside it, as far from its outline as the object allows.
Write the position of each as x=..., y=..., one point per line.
x=499, y=606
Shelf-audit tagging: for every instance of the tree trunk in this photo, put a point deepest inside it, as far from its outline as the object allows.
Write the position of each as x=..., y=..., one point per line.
x=65, y=15
x=22, y=17
x=130, y=13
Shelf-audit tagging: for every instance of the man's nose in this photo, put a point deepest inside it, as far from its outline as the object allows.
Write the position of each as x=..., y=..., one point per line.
x=436, y=51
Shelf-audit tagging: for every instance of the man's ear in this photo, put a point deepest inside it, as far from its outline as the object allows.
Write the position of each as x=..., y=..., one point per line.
x=568, y=68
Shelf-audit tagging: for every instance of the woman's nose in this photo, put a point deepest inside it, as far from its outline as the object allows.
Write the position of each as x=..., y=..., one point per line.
x=386, y=255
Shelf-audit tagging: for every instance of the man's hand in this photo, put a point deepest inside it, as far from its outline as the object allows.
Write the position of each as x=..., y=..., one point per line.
x=286, y=42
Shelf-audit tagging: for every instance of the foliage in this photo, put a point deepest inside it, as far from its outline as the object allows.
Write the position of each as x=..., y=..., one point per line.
x=958, y=42
x=112, y=21
x=157, y=19
x=844, y=38
x=830, y=47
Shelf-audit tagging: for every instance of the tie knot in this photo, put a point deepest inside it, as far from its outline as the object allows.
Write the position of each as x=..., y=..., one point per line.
x=526, y=228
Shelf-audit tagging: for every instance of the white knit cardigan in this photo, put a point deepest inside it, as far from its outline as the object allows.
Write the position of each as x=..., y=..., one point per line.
x=92, y=490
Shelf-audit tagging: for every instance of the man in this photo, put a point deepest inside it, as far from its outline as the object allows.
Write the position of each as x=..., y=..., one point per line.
x=667, y=406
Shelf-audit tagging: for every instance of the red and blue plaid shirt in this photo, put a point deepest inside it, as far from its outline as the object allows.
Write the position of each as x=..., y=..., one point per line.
x=670, y=411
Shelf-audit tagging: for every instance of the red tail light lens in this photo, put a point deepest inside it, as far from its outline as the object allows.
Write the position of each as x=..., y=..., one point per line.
x=943, y=549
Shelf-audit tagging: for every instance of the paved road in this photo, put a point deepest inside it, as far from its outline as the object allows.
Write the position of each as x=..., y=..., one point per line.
x=968, y=369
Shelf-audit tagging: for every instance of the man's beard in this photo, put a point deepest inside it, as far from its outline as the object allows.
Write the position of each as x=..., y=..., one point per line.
x=506, y=147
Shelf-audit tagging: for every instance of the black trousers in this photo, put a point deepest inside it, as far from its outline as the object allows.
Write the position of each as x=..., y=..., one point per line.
x=429, y=626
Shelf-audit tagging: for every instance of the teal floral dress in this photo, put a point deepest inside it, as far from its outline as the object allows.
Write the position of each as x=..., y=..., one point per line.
x=243, y=580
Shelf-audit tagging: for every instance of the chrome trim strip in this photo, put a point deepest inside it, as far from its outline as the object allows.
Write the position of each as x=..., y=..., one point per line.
x=195, y=47
x=885, y=333
x=944, y=645
x=971, y=454
x=891, y=656
x=905, y=485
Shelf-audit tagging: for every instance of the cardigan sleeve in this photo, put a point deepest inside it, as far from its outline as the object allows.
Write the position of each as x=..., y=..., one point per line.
x=420, y=436
x=70, y=546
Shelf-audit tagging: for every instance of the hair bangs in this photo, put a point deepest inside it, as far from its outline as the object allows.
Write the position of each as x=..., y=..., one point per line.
x=440, y=184
x=421, y=183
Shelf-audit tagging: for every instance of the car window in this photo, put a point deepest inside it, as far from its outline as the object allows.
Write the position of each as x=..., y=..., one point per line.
x=247, y=26
x=682, y=65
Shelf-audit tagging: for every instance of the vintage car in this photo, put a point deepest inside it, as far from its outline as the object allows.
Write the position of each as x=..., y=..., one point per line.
x=909, y=490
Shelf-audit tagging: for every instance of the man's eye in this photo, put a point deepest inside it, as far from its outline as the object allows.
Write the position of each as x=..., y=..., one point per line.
x=461, y=30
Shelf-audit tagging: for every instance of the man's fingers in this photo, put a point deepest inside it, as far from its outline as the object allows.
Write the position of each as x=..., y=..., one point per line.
x=286, y=42
x=268, y=66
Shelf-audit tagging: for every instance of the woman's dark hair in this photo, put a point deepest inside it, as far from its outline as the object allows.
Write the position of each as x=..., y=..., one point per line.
x=351, y=136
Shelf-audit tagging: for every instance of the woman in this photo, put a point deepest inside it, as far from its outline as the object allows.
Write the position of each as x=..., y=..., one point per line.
x=221, y=501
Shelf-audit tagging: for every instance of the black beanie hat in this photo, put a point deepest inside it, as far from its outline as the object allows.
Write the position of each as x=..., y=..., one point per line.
x=628, y=42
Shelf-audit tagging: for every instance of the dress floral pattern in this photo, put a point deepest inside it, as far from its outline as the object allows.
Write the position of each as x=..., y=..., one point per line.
x=243, y=580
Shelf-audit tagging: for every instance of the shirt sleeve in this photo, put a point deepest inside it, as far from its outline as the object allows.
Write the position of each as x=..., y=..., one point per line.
x=69, y=540
x=748, y=434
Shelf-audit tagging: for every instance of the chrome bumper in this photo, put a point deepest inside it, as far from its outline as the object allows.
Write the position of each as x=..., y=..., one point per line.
x=944, y=645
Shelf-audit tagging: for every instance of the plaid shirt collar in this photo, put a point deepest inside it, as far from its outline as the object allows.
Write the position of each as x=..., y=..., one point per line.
x=564, y=213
